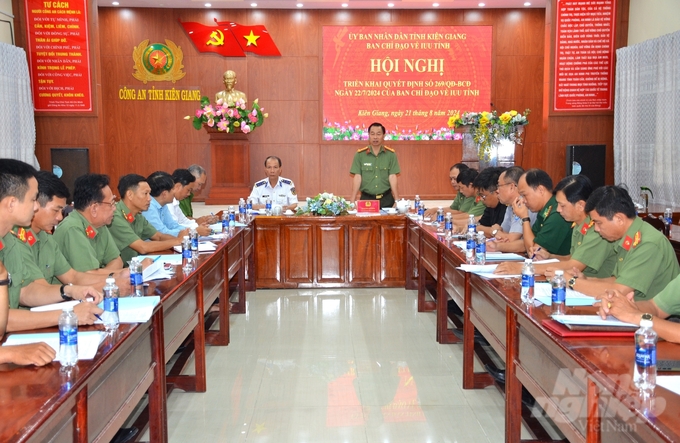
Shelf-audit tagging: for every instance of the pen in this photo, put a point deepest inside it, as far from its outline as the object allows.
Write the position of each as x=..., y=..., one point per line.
x=100, y=319
x=534, y=255
x=154, y=260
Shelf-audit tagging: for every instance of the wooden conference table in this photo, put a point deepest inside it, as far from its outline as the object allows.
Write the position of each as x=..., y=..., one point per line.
x=583, y=384
x=92, y=402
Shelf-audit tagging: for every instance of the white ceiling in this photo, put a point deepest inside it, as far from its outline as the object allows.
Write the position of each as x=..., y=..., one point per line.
x=325, y=4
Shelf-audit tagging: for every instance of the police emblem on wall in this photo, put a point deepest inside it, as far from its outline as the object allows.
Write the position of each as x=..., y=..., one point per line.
x=158, y=62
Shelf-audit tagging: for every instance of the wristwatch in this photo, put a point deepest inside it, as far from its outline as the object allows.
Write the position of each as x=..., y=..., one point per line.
x=526, y=219
x=572, y=282
x=493, y=233
x=647, y=316
x=7, y=281
x=63, y=294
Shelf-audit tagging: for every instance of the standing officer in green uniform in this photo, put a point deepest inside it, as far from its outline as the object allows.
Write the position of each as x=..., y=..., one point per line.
x=83, y=237
x=18, y=203
x=375, y=170
x=129, y=228
x=645, y=260
x=550, y=231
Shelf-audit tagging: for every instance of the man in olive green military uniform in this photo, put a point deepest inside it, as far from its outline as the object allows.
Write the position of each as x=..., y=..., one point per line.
x=375, y=170
x=129, y=228
x=550, y=231
x=645, y=260
x=83, y=237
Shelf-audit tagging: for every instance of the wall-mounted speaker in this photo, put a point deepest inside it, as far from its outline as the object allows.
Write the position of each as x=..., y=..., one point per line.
x=71, y=163
x=587, y=160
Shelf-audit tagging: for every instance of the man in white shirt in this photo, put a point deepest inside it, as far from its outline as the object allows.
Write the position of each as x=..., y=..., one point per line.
x=280, y=190
x=184, y=183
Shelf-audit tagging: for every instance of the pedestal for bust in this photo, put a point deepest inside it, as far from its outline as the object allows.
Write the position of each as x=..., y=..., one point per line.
x=229, y=168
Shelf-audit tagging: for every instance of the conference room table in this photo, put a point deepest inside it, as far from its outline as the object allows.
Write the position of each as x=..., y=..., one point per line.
x=583, y=384
x=93, y=400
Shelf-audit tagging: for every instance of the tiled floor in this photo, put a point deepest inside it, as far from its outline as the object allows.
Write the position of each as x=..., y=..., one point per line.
x=335, y=366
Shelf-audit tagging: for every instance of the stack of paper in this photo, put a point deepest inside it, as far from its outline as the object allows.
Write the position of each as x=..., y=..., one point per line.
x=204, y=246
x=88, y=342
x=504, y=256
x=485, y=271
x=156, y=271
x=130, y=309
x=217, y=227
x=173, y=259
x=590, y=320
x=543, y=293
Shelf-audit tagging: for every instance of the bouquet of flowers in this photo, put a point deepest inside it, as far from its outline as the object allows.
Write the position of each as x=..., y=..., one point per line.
x=488, y=128
x=325, y=204
x=228, y=118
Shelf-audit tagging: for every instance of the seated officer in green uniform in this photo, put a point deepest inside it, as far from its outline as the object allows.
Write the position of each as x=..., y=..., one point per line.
x=453, y=179
x=645, y=260
x=83, y=237
x=56, y=269
x=18, y=202
x=658, y=309
x=375, y=170
x=589, y=253
x=550, y=231
x=129, y=228
x=185, y=204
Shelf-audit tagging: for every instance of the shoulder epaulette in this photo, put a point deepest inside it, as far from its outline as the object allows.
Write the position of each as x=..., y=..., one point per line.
x=389, y=149
x=261, y=182
x=362, y=149
x=286, y=181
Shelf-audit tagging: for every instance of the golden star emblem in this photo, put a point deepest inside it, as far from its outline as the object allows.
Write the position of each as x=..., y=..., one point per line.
x=252, y=38
x=259, y=427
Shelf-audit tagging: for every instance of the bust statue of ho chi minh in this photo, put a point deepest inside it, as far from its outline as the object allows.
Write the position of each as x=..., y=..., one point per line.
x=230, y=95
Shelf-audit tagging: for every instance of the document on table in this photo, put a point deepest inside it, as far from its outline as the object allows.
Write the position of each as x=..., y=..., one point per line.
x=217, y=227
x=204, y=246
x=130, y=309
x=590, y=320
x=504, y=256
x=173, y=259
x=156, y=271
x=88, y=342
x=543, y=293
x=485, y=271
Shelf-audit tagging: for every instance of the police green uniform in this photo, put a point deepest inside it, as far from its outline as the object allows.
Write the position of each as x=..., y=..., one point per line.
x=551, y=231
x=127, y=229
x=185, y=205
x=645, y=260
x=468, y=205
x=48, y=257
x=588, y=247
x=668, y=300
x=18, y=260
x=85, y=247
x=375, y=171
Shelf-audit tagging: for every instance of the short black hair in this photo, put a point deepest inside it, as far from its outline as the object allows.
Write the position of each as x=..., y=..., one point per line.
x=513, y=174
x=575, y=188
x=377, y=124
x=183, y=176
x=538, y=177
x=87, y=190
x=14, y=176
x=160, y=181
x=49, y=187
x=467, y=176
x=275, y=158
x=459, y=166
x=488, y=179
x=611, y=200
x=129, y=182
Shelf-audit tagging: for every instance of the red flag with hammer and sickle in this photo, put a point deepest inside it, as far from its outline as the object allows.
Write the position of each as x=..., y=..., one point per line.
x=218, y=39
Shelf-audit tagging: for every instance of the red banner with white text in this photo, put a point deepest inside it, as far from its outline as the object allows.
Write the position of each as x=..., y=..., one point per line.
x=409, y=78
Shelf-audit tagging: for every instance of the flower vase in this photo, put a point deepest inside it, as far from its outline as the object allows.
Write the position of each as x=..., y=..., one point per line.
x=489, y=158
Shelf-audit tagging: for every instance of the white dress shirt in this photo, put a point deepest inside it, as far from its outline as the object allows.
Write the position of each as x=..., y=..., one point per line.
x=177, y=214
x=282, y=194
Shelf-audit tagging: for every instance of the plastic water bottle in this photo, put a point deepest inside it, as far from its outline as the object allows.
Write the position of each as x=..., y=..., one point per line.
x=472, y=223
x=242, y=211
x=480, y=249
x=416, y=203
x=268, y=206
x=668, y=221
x=421, y=212
x=187, y=259
x=439, y=223
x=193, y=236
x=110, y=314
x=232, y=218
x=470, y=246
x=249, y=208
x=448, y=226
x=68, y=338
x=527, y=290
x=644, y=371
x=225, y=221
x=559, y=293
x=136, y=277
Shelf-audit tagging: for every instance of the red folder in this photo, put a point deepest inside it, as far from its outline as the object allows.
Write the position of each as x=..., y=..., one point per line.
x=368, y=207
x=561, y=330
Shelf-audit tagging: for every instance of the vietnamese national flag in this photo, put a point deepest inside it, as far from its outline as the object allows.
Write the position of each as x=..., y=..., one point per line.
x=253, y=38
x=217, y=39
